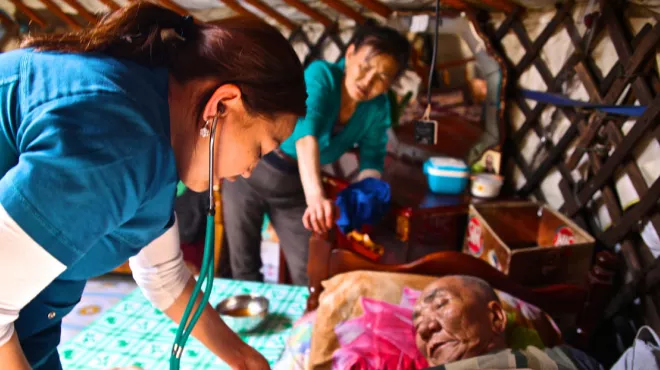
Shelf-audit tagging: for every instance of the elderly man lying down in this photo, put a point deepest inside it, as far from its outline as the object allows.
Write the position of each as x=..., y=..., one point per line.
x=460, y=324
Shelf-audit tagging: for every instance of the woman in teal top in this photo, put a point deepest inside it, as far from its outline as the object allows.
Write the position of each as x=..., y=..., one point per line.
x=96, y=129
x=347, y=106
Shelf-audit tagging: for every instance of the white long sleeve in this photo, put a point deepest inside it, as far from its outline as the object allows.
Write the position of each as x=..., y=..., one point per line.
x=25, y=270
x=159, y=269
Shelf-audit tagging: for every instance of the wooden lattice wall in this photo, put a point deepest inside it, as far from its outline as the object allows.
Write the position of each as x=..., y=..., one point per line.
x=593, y=139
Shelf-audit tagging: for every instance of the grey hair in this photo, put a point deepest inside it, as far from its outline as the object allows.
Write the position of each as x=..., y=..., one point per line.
x=480, y=287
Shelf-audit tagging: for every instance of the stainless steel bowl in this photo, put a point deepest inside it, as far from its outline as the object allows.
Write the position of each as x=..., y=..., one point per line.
x=243, y=313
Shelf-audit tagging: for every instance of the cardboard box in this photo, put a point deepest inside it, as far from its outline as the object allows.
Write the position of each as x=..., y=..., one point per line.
x=532, y=243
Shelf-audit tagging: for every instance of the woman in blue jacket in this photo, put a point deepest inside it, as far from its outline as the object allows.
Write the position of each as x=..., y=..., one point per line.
x=96, y=129
x=347, y=106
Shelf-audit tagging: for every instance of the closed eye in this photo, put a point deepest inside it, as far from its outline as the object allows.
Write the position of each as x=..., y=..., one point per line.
x=441, y=304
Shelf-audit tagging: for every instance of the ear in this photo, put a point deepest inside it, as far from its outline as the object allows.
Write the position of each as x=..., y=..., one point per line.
x=224, y=98
x=497, y=317
x=350, y=51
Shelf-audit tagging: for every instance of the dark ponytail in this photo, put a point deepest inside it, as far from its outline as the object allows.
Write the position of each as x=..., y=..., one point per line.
x=242, y=51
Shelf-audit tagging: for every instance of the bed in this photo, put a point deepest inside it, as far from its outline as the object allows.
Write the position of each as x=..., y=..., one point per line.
x=576, y=308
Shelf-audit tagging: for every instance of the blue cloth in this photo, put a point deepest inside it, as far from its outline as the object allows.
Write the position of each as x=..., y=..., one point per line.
x=367, y=127
x=86, y=170
x=559, y=100
x=362, y=203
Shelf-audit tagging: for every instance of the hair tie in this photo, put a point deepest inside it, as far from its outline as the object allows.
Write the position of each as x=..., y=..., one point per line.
x=186, y=22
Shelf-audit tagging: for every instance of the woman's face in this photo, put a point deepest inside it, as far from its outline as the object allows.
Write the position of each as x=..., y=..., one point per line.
x=368, y=73
x=241, y=139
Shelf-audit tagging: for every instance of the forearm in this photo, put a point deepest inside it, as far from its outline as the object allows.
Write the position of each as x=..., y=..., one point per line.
x=11, y=355
x=309, y=165
x=210, y=330
x=367, y=173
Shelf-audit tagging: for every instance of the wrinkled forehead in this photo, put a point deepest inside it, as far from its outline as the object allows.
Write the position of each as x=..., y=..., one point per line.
x=447, y=287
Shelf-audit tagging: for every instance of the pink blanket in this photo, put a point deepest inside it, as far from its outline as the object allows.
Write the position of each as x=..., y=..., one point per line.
x=381, y=339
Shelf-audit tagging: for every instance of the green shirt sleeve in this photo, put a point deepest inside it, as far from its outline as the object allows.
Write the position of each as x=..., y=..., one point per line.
x=322, y=102
x=180, y=188
x=373, y=145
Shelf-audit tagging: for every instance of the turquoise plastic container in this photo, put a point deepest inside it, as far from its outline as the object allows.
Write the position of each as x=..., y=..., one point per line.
x=446, y=175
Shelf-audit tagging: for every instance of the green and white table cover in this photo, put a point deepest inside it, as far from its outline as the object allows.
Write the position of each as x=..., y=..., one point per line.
x=135, y=333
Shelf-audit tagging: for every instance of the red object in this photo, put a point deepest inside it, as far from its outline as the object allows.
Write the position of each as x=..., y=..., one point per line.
x=345, y=242
x=193, y=253
x=475, y=238
x=564, y=236
x=590, y=18
x=332, y=187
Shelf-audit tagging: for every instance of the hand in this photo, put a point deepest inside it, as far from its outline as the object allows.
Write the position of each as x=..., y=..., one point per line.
x=251, y=360
x=318, y=216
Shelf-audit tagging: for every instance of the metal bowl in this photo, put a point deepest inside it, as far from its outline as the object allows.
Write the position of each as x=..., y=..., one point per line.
x=243, y=313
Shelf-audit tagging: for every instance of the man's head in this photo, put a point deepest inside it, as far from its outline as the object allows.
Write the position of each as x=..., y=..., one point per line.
x=458, y=317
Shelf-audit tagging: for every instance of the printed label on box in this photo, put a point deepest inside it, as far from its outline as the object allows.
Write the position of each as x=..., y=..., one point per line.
x=563, y=236
x=475, y=239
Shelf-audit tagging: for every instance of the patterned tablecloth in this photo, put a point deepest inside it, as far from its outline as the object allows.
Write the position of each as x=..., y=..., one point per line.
x=135, y=333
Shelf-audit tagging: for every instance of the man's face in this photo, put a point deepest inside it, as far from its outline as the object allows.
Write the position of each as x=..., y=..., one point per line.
x=452, y=322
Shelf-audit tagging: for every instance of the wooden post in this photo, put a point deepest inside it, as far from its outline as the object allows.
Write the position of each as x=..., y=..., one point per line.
x=238, y=8
x=346, y=10
x=60, y=14
x=174, y=6
x=310, y=12
x=89, y=17
x=599, y=281
x=110, y=4
x=9, y=25
x=281, y=19
x=34, y=17
x=456, y=4
x=6, y=22
x=377, y=7
x=501, y=5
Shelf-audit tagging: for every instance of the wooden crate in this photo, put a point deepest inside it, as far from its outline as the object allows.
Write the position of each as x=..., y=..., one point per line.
x=530, y=242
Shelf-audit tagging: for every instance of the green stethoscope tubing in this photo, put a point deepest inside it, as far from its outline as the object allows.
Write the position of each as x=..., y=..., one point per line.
x=206, y=273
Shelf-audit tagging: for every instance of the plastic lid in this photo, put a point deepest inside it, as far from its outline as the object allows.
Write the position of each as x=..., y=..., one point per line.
x=447, y=163
x=489, y=178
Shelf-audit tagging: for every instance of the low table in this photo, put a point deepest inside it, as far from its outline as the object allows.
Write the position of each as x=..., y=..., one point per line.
x=426, y=222
x=135, y=333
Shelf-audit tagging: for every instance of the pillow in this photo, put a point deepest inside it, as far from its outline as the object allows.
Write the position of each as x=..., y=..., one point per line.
x=340, y=302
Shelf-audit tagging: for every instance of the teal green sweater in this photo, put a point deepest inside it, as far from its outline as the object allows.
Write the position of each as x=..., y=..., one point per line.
x=367, y=128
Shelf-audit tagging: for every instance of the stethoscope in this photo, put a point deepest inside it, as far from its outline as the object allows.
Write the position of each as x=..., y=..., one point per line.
x=206, y=273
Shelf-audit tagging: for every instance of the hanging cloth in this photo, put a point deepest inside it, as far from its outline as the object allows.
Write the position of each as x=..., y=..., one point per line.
x=562, y=101
x=362, y=203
